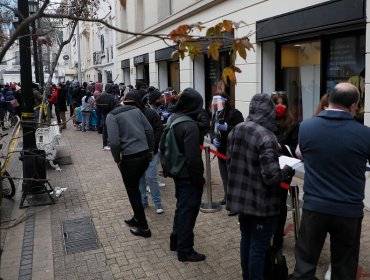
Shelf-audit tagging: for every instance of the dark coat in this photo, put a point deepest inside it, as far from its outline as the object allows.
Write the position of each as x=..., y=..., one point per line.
x=253, y=164
x=187, y=137
x=232, y=117
x=62, y=100
x=335, y=148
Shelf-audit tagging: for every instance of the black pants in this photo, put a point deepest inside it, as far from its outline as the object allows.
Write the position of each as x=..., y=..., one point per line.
x=279, y=233
x=188, y=198
x=105, y=133
x=345, y=236
x=132, y=170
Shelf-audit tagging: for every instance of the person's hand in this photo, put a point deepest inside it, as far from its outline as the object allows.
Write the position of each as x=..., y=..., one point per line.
x=222, y=126
x=165, y=115
x=289, y=171
x=216, y=142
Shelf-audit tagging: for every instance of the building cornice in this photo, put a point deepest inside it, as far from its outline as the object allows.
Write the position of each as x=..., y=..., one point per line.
x=194, y=9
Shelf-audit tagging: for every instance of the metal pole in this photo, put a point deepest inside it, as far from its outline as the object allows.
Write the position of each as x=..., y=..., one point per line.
x=35, y=56
x=294, y=194
x=209, y=206
x=79, y=77
x=26, y=79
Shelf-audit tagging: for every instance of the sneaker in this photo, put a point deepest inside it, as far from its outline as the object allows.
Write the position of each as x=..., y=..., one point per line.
x=159, y=210
x=148, y=189
x=161, y=184
x=106, y=148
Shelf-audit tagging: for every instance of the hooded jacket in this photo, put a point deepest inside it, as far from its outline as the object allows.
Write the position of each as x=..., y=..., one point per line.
x=253, y=164
x=151, y=115
x=187, y=134
x=129, y=133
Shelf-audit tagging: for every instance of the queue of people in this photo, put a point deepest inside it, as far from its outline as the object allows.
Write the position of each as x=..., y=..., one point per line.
x=132, y=122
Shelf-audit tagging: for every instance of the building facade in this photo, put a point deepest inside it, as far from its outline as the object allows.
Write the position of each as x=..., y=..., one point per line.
x=301, y=47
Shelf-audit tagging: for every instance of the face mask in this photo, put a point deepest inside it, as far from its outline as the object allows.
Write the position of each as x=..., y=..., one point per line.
x=280, y=111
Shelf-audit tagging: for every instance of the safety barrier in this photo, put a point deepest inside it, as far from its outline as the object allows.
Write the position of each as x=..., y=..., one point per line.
x=209, y=206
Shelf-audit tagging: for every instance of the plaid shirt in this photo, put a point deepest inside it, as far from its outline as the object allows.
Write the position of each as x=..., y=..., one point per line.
x=253, y=165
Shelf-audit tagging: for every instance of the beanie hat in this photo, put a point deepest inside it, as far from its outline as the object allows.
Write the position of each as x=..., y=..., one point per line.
x=154, y=96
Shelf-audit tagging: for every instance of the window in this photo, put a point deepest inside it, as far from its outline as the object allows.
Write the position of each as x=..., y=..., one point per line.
x=307, y=69
x=139, y=16
x=16, y=58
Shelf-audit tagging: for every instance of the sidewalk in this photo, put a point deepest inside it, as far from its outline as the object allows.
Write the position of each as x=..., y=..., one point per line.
x=34, y=249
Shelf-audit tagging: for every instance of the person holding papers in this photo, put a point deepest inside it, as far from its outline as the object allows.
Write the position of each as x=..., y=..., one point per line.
x=286, y=132
x=253, y=184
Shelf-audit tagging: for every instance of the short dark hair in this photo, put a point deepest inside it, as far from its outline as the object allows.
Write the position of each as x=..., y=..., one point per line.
x=344, y=94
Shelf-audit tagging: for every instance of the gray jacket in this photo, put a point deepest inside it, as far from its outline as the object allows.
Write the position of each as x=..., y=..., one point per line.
x=129, y=132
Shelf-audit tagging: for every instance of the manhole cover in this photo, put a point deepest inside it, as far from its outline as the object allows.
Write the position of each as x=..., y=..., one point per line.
x=79, y=235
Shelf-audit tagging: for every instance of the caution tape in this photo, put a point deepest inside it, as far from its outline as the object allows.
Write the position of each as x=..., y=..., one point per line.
x=222, y=156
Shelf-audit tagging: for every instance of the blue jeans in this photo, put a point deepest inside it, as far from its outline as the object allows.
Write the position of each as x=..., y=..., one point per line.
x=256, y=233
x=151, y=176
x=85, y=121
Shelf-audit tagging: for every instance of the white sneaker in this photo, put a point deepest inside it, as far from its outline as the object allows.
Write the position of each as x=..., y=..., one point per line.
x=148, y=189
x=161, y=184
x=159, y=211
x=106, y=148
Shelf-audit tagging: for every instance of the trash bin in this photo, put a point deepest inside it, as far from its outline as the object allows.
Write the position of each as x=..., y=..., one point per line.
x=34, y=166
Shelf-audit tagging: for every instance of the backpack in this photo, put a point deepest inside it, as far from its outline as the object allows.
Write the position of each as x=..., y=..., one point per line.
x=172, y=160
x=275, y=265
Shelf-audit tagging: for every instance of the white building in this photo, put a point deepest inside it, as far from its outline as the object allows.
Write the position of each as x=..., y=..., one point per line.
x=301, y=47
x=97, y=49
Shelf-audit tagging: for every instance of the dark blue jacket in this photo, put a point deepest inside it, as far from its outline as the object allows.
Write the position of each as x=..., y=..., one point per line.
x=335, y=149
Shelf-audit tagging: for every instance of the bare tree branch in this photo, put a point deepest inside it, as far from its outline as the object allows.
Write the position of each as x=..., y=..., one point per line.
x=20, y=29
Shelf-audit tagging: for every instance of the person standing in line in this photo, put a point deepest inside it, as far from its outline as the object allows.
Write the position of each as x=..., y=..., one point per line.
x=108, y=90
x=62, y=105
x=132, y=141
x=224, y=119
x=253, y=186
x=190, y=181
x=86, y=107
x=334, y=185
x=286, y=133
x=134, y=98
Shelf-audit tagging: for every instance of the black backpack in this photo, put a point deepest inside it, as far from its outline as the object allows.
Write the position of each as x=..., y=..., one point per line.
x=275, y=265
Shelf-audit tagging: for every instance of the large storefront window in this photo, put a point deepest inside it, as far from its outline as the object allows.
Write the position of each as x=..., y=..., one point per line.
x=308, y=69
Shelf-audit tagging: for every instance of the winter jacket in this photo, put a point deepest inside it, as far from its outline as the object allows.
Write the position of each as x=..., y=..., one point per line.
x=87, y=106
x=253, y=164
x=335, y=148
x=232, y=117
x=54, y=96
x=62, y=100
x=129, y=132
x=188, y=137
x=287, y=138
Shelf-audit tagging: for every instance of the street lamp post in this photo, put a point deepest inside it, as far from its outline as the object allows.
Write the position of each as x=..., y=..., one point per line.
x=29, y=142
x=33, y=7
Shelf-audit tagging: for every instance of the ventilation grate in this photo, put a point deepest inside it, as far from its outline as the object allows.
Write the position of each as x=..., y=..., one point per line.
x=79, y=236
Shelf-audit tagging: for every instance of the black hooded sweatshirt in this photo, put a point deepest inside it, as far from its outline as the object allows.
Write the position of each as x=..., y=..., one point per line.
x=187, y=134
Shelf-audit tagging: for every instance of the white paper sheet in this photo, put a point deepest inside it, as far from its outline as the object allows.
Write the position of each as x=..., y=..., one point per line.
x=292, y=162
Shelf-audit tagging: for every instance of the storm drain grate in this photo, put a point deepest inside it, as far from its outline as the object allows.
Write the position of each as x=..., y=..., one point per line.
x=79, y=235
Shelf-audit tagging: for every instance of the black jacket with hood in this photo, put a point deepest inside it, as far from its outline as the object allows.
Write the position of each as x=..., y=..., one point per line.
x=187, y=134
